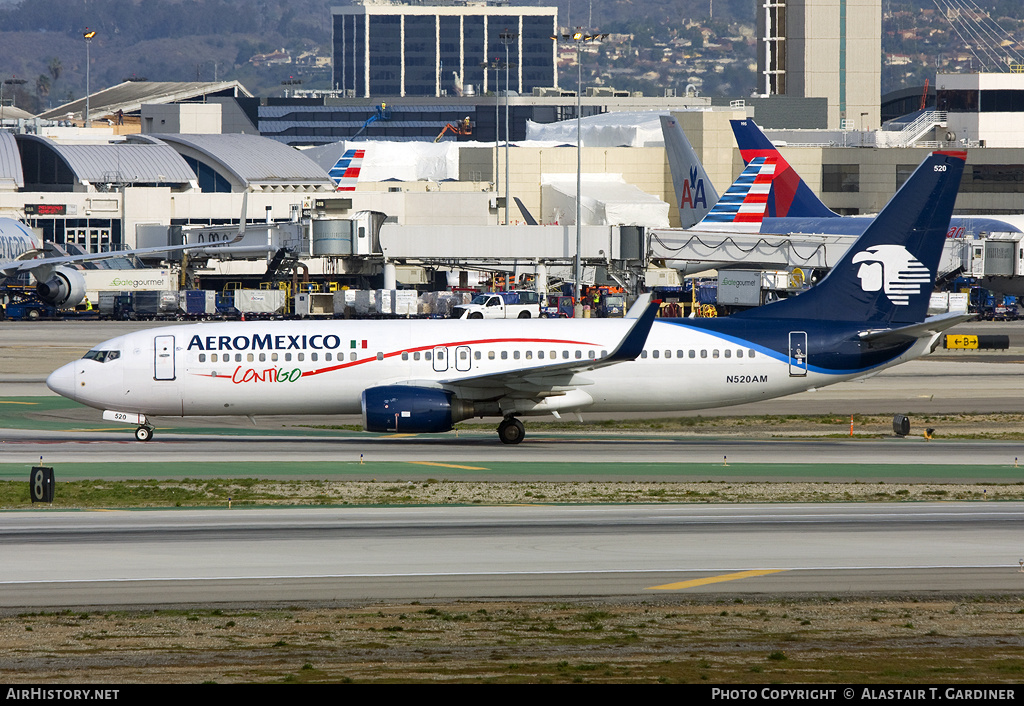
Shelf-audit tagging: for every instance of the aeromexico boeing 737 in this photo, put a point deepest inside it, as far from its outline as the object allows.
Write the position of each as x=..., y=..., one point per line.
x=868, y=314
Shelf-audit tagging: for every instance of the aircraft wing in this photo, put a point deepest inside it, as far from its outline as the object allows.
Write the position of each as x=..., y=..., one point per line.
x=929, y=327
x=554, y=378
x=48, y=263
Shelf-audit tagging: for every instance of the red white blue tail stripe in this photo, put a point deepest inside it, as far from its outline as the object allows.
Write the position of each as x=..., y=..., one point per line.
x=743, y=205
x=345, y=172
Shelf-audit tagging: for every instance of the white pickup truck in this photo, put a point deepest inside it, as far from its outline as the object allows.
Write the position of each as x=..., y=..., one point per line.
x=500, y=305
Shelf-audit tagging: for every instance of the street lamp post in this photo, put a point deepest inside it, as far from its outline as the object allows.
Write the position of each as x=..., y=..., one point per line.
x=88, y=35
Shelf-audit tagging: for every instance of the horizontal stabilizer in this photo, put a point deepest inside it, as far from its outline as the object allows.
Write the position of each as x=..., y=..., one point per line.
x=928, y=327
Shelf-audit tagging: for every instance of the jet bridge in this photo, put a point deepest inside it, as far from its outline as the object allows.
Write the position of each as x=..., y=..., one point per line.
x=691, y=251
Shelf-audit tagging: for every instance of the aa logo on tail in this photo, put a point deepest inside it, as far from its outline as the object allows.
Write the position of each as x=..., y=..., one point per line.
x=692, y=195
x=892, y=269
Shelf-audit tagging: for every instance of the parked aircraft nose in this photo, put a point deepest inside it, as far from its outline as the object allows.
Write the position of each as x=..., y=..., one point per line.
x=62, y=381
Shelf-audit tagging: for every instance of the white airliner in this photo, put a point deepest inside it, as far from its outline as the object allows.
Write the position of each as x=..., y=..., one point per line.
x=415, y=376
x=58, y=282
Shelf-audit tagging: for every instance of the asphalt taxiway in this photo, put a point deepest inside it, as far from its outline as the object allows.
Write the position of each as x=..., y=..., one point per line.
x=331, y=554
x=480, y=456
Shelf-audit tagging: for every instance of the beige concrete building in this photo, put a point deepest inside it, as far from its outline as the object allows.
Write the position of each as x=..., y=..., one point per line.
x=824, y=48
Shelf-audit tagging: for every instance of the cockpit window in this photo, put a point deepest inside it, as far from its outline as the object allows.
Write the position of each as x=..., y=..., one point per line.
x=103, y=356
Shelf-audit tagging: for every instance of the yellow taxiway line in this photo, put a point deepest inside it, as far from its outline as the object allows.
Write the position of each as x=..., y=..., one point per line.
x=449, y=465
x=714, y=579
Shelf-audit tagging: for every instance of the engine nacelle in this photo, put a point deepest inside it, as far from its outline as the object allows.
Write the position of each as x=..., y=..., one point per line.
x=65, y=287
x=412, y=410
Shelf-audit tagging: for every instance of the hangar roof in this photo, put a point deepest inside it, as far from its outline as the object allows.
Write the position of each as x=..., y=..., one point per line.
x=12, y=177
x=257, y=162
x=119, y=162
x=130, y=95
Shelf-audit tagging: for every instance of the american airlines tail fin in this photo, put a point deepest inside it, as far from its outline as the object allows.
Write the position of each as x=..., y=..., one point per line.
x=887, y=275
x=695, y=194
x=790, y=196
x=345, y=172
x=742, y=206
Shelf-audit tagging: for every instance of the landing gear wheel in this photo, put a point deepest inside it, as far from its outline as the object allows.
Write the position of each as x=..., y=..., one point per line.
x=511, y=431
x=144, y=433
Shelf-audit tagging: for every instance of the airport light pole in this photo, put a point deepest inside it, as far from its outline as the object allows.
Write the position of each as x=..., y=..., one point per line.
x=494, y=64
x=579, y=37
x=506, y=39
x=88, y=35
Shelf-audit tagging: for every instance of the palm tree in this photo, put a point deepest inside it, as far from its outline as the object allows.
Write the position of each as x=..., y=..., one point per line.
x=43, y=89
x=56, y=69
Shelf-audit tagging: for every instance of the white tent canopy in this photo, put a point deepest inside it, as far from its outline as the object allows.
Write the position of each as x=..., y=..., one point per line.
x=620, y=129
x=607, y=200
x=402, y=161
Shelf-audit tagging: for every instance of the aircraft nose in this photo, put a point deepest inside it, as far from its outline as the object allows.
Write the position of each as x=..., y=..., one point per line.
x=62, y=381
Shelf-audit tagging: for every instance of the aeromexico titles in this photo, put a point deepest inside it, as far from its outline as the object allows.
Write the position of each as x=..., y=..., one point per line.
x=422, y=376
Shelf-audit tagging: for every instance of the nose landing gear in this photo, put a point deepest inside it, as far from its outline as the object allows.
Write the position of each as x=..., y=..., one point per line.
x=144, y=433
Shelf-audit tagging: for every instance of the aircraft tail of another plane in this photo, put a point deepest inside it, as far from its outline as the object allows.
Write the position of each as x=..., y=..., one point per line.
x=790, y=196
x=695, y=194
x=345, y=172
x=887, y=275
x=742, y=206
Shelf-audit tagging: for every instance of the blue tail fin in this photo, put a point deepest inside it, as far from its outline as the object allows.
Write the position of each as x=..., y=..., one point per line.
x=887, y=275
x=790, y=196
x=695, y=195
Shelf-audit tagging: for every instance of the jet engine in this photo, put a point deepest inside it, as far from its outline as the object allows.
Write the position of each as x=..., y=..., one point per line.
x=413, y=410
x=63, y=287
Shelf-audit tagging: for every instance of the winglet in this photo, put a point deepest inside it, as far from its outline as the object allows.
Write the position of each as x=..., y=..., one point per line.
x=527, y=216
x=633, y=342
x=639, y=307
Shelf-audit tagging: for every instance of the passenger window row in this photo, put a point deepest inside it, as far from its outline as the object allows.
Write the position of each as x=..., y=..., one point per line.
x=528, y=354
x=513, y=355
x=715, y=353
x=272, y=357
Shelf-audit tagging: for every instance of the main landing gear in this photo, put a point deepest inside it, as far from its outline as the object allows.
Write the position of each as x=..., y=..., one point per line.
x=511, y=431
x=144, y=433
